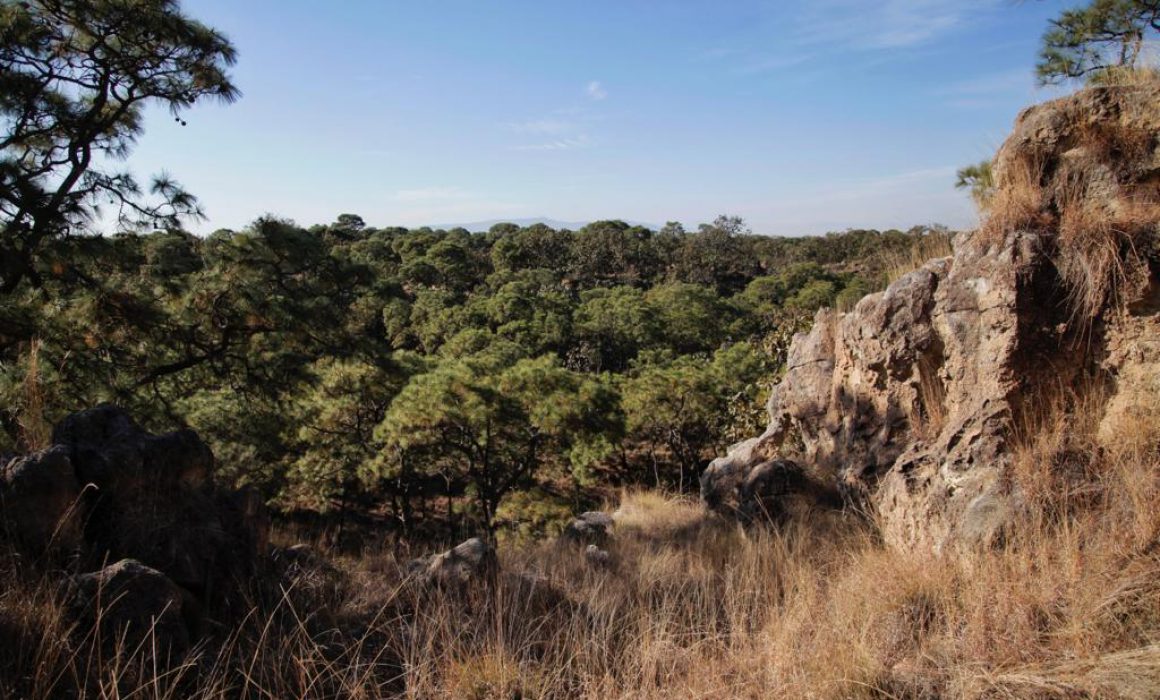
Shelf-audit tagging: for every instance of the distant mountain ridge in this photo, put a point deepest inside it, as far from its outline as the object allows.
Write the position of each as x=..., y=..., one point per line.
x=477, y=226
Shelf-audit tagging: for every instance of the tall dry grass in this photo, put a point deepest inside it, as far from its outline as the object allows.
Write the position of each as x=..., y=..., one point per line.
x=35, y=428
x=690, y=606
x=929, y=246
x=1126, y=76
x=1101, y=219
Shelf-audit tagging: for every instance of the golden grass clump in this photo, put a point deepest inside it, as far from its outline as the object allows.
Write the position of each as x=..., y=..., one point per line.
x=930, y=246
x=35, y=429
x=1091, y=206
x=1126, y=76
x=1019, y=202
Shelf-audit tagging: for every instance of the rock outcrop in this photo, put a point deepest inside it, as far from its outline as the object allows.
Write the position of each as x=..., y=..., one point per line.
x=151, y=498
x=908, y=402
x=107, y=490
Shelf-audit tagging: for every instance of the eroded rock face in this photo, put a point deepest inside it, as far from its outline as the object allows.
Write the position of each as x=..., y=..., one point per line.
x=1132, y=358
x=908, y=401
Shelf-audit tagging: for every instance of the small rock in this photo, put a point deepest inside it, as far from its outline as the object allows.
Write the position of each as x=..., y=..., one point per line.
x=597, y=558
x=592, y=527
x=473, y=560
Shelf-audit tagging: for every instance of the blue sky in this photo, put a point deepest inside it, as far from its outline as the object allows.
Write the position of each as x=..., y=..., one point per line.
x=801, y=117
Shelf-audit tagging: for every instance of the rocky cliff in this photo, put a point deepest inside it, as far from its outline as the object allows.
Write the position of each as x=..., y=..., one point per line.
x=909, y=403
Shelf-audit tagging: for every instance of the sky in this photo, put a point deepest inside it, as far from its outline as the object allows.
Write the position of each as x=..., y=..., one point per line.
x=800, y=116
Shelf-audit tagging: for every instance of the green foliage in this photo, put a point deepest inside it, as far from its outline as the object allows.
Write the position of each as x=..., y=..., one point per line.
x=348, y=367
x=491, y=427
x=75, y=78
x=337, y=420
x=613, y=325
x=680, y=407
x=345, y=366
x=533, y=515
x=978, y=180
x=1086, y=41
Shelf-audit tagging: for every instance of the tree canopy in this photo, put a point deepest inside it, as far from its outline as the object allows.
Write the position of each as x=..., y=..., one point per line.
x=427, y=375
x=75, y=76
x=345, y=366
x=1087, y=41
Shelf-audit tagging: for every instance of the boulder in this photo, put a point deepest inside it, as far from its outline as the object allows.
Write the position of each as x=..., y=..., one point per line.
x=747, y=486
x=40, y=502
x=130, y=601
x=112, y=452
x=153, y=500
x=593, y=527
x=472, y=561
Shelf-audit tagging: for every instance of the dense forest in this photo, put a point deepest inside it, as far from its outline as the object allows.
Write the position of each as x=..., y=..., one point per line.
x=342, y=461
x=430, y=377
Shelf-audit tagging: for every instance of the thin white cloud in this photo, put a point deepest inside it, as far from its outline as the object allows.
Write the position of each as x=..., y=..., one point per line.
x=884, y=24
x=767, y=64
x=568, y=144
x=716, y=53
x=426, y=205
x=596, y=91
x=543, y=126
x=820, y=28
x=1005, y=82
x=897, y=200
x=559, y=134
x=994, y=89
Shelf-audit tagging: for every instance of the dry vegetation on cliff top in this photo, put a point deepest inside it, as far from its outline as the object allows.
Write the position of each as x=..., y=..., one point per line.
x=1067, y=606
x=1096, y=202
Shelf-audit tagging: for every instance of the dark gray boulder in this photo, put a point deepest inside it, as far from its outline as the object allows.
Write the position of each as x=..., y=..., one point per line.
x=151, y=498
x=592, y=527
x=40, y=502
x=130, y=604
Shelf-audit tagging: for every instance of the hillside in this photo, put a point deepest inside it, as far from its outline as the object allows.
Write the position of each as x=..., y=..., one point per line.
x=955, y=496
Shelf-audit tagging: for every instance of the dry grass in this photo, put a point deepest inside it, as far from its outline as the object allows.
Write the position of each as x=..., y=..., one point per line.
x=929, y=414
x=1019, y=202
x=1101, y=247
x=35, y=429
x=1126, y=76
x=693, y=607
x=1101, y=221
x=930, y=246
